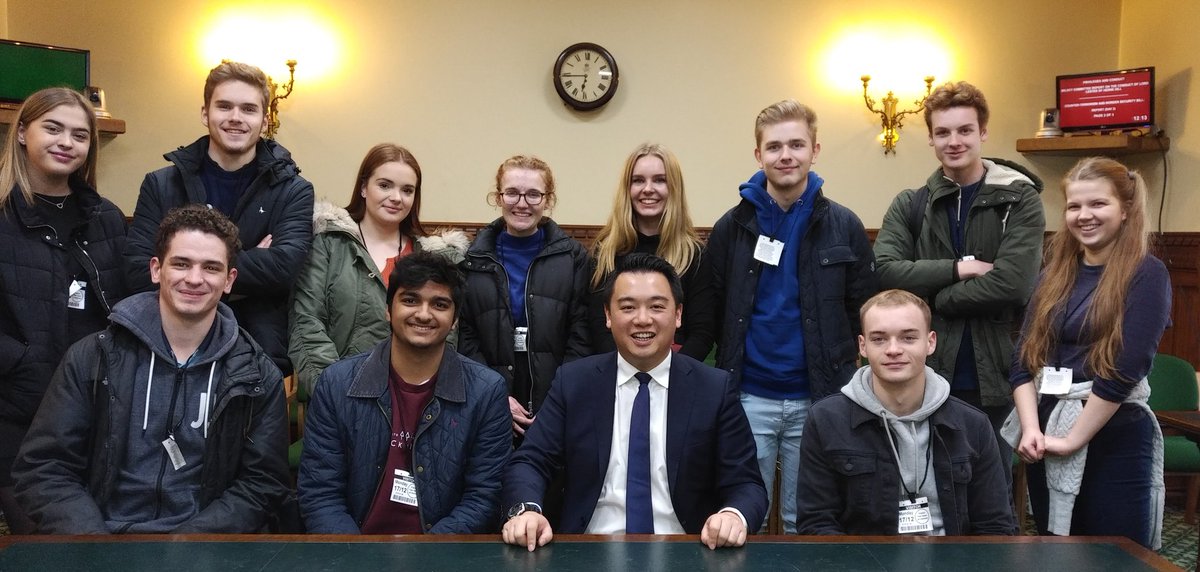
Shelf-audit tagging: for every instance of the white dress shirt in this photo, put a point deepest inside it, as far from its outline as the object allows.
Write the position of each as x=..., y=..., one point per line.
x=609, y=516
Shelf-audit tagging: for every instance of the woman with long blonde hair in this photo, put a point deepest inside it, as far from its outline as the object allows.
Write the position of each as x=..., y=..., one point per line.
x=650, y=215
x=1079, y=372
x=60, y=259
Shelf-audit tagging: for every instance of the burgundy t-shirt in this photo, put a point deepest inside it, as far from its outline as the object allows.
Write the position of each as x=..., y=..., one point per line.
x=408, y=403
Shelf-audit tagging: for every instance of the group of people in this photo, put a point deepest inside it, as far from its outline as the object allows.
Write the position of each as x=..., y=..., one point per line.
x=520, y=382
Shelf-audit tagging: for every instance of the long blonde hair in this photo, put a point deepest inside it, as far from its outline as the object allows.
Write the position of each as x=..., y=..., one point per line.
x=14, y=160
x=679, y=243
x=1106, y=313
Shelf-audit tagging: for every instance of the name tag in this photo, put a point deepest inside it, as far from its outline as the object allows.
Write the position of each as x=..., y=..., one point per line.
x=77, y=295
x=404, y=488
x=520, y=338
x=174, y=453
x=768, y=250
x=1056, y=380
x=914, y=516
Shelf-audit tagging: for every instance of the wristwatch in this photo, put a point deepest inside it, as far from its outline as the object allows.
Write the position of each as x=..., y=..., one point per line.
x=522, y=508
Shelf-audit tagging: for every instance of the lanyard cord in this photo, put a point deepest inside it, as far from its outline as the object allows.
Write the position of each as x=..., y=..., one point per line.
x=912, y=495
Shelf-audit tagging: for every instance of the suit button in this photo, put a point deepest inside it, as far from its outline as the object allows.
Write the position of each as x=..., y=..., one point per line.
x=428, y=417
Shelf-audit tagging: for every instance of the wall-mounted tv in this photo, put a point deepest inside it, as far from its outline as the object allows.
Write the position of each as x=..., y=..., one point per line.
x=1120, y=99
x=29, y=67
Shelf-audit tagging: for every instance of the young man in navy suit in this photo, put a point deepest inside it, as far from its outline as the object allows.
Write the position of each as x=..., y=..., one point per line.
x=651, y=442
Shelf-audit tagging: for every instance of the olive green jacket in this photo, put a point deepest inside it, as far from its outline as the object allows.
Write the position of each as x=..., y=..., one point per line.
x=339, y=306
x=1005, y=226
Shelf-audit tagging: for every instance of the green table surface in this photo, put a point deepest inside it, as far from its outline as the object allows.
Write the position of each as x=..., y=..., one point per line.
x=486, y=554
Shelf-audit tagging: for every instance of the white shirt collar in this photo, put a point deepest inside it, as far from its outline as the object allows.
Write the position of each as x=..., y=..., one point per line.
x=660, y=372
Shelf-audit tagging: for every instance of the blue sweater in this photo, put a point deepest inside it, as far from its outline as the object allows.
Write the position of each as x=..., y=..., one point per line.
x=516, y=255
x=775, y=365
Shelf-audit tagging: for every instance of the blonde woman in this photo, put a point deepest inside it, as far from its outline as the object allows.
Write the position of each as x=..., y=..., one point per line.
x=650, y=215
x=60, y=259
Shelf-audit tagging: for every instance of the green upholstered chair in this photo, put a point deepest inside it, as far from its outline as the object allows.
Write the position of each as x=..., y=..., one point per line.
x=1173, y=387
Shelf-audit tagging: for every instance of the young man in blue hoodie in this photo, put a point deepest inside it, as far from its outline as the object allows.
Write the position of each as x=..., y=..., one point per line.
x=171, y=420
x=791, y=268
x=895, y=453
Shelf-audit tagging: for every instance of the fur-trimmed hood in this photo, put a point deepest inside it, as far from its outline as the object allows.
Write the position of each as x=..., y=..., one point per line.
x=449, y=242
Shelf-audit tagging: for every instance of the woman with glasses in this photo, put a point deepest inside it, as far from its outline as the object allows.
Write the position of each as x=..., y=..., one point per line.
x=60, y=260
x=650, y=215
x=525, y=311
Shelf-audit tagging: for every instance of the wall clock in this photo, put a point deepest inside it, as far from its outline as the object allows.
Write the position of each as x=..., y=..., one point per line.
x=585, y=76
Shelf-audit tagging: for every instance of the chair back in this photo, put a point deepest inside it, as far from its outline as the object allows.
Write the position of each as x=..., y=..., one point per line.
x=1173, y=385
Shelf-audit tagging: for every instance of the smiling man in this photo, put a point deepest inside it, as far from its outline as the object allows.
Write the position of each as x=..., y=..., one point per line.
x=791, y=268
x=894, y=453
x=412, y=437
x=970, y=243
x=252, y=181
x=650, y=441
x=172, y=420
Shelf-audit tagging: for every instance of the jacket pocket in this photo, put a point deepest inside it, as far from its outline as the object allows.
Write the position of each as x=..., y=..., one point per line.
x=857, y=472
x=961, y=471
x=834, y=261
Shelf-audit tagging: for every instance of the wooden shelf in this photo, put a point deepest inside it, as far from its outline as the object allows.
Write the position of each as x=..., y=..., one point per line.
x=107, y=125
x=1080, y=145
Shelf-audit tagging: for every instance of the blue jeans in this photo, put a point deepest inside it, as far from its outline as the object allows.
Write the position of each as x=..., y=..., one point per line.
x=777, y=425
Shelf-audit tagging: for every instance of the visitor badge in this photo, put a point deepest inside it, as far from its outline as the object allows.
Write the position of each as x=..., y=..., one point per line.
x=404, y=488
x=520, y=338
x=1056, y=381
x=77, y=295
x=914, y=516
x=173, y=452
x=768, y=250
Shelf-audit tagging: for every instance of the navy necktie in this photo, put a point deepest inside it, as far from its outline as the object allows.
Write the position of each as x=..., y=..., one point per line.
x=639, y=513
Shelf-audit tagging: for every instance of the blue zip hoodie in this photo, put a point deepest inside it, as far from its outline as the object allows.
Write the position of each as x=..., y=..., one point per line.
x=775, y=366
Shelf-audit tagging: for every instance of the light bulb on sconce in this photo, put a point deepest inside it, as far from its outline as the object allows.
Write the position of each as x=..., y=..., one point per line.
x=891, y=119
x=276, y=97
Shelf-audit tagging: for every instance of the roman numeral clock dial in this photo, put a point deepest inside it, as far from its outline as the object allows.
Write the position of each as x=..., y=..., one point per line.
x=585, y=76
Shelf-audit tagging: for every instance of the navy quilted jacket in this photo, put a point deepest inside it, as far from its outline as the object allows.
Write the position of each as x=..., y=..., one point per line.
x=460, y=450
x=34, y=280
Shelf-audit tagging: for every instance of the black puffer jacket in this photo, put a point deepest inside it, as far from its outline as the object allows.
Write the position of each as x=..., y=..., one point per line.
x=35, y=276
x=279, y=202
x=555, y=307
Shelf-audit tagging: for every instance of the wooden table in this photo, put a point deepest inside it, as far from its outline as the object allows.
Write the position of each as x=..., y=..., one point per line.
x=233, y=553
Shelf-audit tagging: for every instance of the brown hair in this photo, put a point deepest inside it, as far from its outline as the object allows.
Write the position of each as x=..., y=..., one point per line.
x=679, y=244
x=200, y=218
x=960, y=94
x=894, y=298
x=14, y=159
x=237, y=71
x=786, y=110
x=381, y=154
x=1106, y=312
x=525, y=162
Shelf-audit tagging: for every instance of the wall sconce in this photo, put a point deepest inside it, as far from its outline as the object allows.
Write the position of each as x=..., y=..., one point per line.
x=891, y=119
x=276, y=97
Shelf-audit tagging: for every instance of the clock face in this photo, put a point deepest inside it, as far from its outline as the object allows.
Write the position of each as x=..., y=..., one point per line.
x=585, y=76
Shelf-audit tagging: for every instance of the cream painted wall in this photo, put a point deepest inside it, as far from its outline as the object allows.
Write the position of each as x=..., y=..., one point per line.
x=1162, y=33
x=465, y=84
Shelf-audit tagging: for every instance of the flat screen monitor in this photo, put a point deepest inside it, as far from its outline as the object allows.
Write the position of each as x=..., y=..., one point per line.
x=1120, y=99
x=29, y=67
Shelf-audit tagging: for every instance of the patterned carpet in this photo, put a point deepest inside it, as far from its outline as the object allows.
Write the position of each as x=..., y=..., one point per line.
x=1179, y=538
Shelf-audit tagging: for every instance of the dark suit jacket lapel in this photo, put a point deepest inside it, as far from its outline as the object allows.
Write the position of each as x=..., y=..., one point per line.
x=599, y=410
x=679, y=417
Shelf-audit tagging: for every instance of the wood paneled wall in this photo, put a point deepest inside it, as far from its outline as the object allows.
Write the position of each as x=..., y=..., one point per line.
x=1180, y=251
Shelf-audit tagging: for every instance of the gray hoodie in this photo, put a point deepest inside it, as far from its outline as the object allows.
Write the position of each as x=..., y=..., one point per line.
x=151, y=494
x=910, y=435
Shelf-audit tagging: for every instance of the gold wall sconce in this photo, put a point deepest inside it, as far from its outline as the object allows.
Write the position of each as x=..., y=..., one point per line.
x=277, y=96
x=891, y=119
